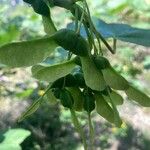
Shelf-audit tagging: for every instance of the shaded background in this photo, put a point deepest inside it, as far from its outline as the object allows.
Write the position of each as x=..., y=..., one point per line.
x=50, y=127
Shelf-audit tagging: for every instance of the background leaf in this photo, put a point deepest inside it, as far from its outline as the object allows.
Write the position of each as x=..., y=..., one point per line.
x=13, y=138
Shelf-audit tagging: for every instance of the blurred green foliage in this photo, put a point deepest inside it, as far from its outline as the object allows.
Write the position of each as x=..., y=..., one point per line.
x=49, y=126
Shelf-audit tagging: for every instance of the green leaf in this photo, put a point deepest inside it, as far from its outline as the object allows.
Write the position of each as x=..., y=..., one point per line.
x=77, y=97
x=116, y=98
x=119, y=31
x=103, y=108
x=123, y=32
x=49, y=27
x=25, y=93
x=93, y=77
x=51, y=98
x=39, y=7
x=26, y=53
x=51, y=73
x=13, y=138
x=114, y=79
x=10, y=147
x=138, y=96
x=31, y=109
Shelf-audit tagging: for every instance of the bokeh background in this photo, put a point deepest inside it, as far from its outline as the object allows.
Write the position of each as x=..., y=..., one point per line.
x=50, y=128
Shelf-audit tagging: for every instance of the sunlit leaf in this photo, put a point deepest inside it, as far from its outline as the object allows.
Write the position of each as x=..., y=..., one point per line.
x=26, y=53
x=13, y=138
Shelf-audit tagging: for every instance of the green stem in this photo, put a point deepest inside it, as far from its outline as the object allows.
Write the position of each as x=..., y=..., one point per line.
x=76, y=19
x=88, y=35
x=97, y=34
x=91, y=130
x=114, y=44
x=80, y=23
x=78, y=128
x=90, y=25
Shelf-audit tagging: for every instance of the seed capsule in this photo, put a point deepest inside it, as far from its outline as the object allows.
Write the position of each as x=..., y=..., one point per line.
x=80, y=79
x=67, y=81
x=71, y=41
x=66, y=98
x=89, y=102
x=77, y=97
x=101, y=62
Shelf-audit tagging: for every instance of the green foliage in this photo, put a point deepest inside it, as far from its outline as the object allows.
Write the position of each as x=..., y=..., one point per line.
x=116, y=98
x=123, y=32
x=13, y=138
x=51, y=98
x=89, y=102
x=39, y=7
x=114, y=79
x=27, y=53
x=138, y=96
x=66, y=98
x=31, y=109
x=71, y=41
x=104, y=109
x=42, y=71
x=97, y=79
x=77, y=97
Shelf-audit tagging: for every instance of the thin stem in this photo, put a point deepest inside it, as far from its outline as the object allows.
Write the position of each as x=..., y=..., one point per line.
x=91, y=28
x=97, y=34
x=88, y=35
x=78, y=128
x=114, y=44
x=76, y=19
x=91, y=130
x=80, y=23
x=103, y=40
